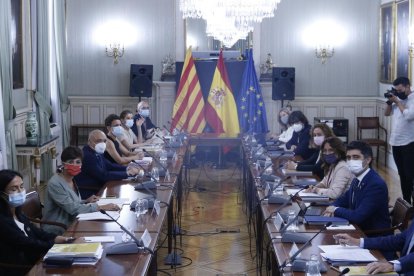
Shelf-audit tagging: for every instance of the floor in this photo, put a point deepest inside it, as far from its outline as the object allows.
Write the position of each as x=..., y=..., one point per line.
x=212, y=205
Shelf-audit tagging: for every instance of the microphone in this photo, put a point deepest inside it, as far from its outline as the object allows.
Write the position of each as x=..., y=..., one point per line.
x=168, y=143
x=136, y=246
x=164, y=169
x=300, y=265
x=145, y=185
x=344, y=271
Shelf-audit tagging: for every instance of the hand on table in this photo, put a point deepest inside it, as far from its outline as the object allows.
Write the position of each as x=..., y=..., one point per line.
x=346, y=239
x=329, y=211
x=92, y=199
x=377, y=267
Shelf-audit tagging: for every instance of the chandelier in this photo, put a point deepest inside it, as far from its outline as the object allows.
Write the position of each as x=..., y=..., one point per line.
x=229, y=20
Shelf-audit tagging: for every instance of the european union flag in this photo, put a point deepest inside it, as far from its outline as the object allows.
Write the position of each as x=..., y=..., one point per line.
x=251, y=107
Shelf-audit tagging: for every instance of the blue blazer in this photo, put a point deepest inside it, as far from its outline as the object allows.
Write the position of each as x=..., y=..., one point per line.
x=301, y=141
x=96, y=171
x=370, y=207
x=398, y=242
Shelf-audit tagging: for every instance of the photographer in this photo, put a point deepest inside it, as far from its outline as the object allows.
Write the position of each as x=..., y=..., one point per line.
x=400, y=105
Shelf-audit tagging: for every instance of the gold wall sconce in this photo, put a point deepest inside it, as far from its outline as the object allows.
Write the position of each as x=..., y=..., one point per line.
x=115, y=51
x=324, y=52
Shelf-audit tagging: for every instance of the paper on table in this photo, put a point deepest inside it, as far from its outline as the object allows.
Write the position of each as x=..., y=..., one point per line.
x=113, y=200
x=98, y=216
x=99, y=239
x=339, y=253
x=341, y=227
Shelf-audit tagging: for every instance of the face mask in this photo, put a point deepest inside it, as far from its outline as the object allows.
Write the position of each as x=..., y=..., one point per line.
x=17, y=199
x=144, y=113
x=100, y=148
x=318, y=140
x=72, y=169
x=330, y=158
x=297, y=127
x=355, y=166
x=117, y=131
x=129, y=123
x=284, y=119
x=402, y=95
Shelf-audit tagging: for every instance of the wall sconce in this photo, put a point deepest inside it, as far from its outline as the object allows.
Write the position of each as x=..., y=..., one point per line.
x=411, y=51
x=115, y=51
x=324, y=53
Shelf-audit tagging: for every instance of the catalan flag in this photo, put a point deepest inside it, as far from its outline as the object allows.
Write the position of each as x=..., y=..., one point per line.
x=188, y=110
x=252, y=110
x=221, y=110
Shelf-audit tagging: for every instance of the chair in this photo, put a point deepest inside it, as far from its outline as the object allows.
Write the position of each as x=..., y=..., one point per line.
x=372, y=123
x=401, y=215
x=32, y=208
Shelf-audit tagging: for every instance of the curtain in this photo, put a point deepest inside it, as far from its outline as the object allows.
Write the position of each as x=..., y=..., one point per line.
x=42, y=94
x=6, y=79
x=60, y=44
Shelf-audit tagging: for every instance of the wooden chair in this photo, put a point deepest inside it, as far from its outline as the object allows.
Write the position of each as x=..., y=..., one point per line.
x=401, y=215
x=372, y=123
x=32, y=208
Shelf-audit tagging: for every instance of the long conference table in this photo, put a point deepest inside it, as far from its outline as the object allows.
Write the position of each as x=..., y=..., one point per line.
x=170, y=194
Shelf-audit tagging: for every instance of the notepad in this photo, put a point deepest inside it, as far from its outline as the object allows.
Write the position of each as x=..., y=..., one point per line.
x=75, y=249
x=98, y=216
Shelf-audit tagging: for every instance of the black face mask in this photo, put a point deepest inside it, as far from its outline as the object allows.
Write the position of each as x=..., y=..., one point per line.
x=402, y=95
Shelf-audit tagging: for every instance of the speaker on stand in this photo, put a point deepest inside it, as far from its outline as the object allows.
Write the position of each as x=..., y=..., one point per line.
x=283, y=84
x=141, y=81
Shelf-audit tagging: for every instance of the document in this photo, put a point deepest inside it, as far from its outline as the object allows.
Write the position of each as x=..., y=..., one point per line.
x=98, y=216
x=99, y=239
x=339, y=253
x=113, y=200
x=75, y=250
x=308, y=197
x=362, y=271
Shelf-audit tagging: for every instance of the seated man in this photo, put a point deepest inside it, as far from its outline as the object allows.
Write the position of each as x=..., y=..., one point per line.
x=147, y=127
x=366, y=202
x=402, y=242
x=96, y=170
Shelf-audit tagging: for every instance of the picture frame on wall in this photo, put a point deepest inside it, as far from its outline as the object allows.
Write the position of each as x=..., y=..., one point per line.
x=387, y=43
x=402, y=59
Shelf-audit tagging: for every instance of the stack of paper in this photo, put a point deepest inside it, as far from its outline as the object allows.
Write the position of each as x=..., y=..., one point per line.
x=98, y=216
x=82, y=253
x=144, y=161
x=339, y=253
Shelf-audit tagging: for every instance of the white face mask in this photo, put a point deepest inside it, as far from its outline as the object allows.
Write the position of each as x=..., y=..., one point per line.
x=117, y=131
x=100, y=148
x=355, y=166
x=318, y=140
x=297, y=127
x=129, y=123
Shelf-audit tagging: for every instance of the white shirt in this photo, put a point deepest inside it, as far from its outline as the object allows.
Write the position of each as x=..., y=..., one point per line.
x=403, y=123
x=21, y=226
x=286, y=135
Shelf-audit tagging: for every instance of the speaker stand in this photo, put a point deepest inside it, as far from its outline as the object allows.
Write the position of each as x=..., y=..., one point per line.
x=173, y=259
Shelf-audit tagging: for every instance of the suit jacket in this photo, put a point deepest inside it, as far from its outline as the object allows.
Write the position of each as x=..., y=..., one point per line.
x=301, y=141
x=144, y=127
x=398, y=242
x=96, y=171
x=369, y=210
x=19, y=249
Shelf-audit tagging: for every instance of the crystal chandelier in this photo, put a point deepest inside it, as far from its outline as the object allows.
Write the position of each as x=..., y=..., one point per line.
x=229, y=20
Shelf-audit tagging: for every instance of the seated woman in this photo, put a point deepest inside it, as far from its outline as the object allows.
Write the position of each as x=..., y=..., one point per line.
x=320, y=132
x=338, y=177
x=128, y=137
x=62, y=200
x=299, y=143
x=115, y=151
x=22, y=243
x=287, y=130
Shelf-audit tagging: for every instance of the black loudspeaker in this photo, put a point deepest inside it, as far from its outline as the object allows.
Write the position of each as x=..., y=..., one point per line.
x=140, y=81
x=283, y=83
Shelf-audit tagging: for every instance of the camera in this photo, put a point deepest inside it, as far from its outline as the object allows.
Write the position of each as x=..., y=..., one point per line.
x=390, y=93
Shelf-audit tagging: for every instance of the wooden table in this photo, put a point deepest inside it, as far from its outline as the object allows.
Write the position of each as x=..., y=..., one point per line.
x=35, y=149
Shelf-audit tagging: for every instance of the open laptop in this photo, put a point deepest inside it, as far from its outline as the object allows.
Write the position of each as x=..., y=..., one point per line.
x=309, y=211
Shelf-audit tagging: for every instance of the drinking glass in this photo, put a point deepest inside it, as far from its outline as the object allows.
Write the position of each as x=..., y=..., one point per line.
x=292, y=220
x=155, y=173
x=141, y=207
x=312, y=266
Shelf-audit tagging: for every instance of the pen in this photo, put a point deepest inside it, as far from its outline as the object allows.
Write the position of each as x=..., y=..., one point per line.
x=334, y=268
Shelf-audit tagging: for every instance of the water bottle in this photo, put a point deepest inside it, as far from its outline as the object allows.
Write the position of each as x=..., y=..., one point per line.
x=292, y=221
x=312, y=266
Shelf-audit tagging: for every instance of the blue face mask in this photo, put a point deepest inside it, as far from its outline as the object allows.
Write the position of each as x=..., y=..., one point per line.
x=17, y=199
x=129, y=123
x=330, y=158
x=117, y=131
x=144, y=113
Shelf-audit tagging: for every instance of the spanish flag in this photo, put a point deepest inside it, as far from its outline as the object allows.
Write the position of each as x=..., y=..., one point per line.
x=188, y=110
x=221, y=110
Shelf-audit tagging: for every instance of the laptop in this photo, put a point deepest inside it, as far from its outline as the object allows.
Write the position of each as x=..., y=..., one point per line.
x=309, y=211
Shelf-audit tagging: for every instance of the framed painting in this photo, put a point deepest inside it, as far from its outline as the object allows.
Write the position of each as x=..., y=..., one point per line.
x=17, y=43
x=387, y=43
x=402, y=43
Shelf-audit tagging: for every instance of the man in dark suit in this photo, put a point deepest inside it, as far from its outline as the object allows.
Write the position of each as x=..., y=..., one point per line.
x=97, y=170
x=366, y=202
x=143, y=126
x=402, y=242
